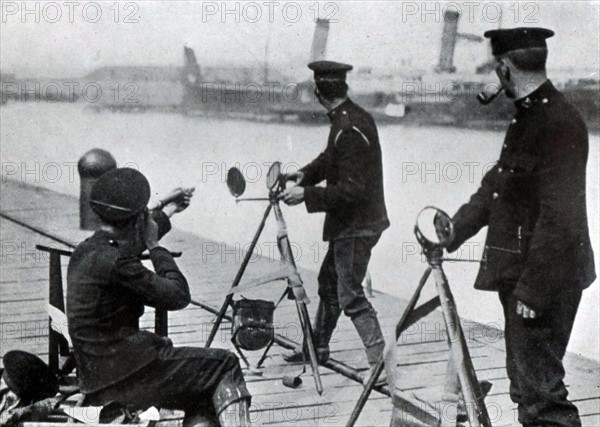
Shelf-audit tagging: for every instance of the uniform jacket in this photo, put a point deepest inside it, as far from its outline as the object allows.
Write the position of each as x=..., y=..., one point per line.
x=353, y=199
x=107, y=289
x=534, y=204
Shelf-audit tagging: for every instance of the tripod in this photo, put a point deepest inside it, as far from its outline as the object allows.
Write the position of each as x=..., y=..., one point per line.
x=289, y=272
x=460, y=358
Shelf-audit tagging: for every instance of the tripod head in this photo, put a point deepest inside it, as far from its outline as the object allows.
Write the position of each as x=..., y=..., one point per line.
x=434, y=230
x=275, y=180
x=275, y=183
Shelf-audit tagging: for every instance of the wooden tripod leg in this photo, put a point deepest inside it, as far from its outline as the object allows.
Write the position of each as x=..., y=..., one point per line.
x=310, y=344
x=238, y=278
x=466, y=373
x=298, y=292
x=405, y=321
x=474, y=384
x=452, y=395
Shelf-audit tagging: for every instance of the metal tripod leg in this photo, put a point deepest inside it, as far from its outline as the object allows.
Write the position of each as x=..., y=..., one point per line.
x=238, y=278
x=239, y=351
x=307, y=336
x=264, y=355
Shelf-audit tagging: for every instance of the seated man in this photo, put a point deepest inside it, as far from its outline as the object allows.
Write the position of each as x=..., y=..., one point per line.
x=108, y=287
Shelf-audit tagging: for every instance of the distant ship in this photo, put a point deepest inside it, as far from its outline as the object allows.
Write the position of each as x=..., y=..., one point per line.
x=407, y=98
x=400, y=96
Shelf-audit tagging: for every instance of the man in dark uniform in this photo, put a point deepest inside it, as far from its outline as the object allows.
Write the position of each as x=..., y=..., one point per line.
x=353, y=201
x=538, y=255
x=108, y=287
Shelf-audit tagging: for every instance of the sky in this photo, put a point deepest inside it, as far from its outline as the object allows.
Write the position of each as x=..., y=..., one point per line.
x=70, y=39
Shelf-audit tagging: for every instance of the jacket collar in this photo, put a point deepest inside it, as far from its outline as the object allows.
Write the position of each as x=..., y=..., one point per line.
x=542, y=95
x=333, y=114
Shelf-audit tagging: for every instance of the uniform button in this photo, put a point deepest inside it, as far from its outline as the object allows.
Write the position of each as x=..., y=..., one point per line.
x=545, y=101
x=505, y=145
x=500, y=170
x=512, y=171
x=513, y=121
x=495, y=196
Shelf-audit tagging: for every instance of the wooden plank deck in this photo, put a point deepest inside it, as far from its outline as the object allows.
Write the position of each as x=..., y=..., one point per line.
x=422, y=350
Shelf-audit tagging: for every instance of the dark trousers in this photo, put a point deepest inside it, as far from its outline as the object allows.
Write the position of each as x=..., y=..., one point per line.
x=183, y=378
x=340, y=289
x=343, y=271
x=534, y=352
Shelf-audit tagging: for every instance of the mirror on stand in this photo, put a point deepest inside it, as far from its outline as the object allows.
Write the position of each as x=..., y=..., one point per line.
x=236, y=182
x=273, y=176
x=434, y=228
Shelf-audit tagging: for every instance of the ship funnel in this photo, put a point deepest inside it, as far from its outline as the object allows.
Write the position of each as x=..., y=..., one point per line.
x=449, y=37
x=191, y=69
x=319, y=43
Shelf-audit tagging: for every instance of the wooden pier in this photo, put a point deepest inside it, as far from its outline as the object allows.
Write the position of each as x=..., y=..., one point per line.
x=31, y=215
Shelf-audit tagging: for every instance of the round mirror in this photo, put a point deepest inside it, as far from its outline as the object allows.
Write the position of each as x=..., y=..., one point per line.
x=434, y=227
x=236, y=182
x=273, y=175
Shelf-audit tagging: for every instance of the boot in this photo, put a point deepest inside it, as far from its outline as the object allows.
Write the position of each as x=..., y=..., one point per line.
x=300, y=353
x=237, y=414
x=454, y=409
x=231, y=399
x=456, y=399
x=200, y=419
x=367, y=326
x=381, y=379
x=325, y=323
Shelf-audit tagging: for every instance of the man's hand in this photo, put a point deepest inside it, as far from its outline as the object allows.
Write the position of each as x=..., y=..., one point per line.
x=443, y=226
x=294, y=176
x=524, y=311
x=292, y=196
x=183, y=197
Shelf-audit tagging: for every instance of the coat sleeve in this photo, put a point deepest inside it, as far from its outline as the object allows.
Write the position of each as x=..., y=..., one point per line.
x=315, y=171
x=166, y=289
x=162, y=221
x=350, y=187
x=474, y=215
x=561, y=183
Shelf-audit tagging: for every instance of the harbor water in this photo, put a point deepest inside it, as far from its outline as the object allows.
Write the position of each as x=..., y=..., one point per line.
x=441, y=166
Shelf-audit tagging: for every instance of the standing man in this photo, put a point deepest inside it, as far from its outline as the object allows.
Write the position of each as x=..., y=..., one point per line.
x=353, y=201
x=108, y=287
x=538, y=255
